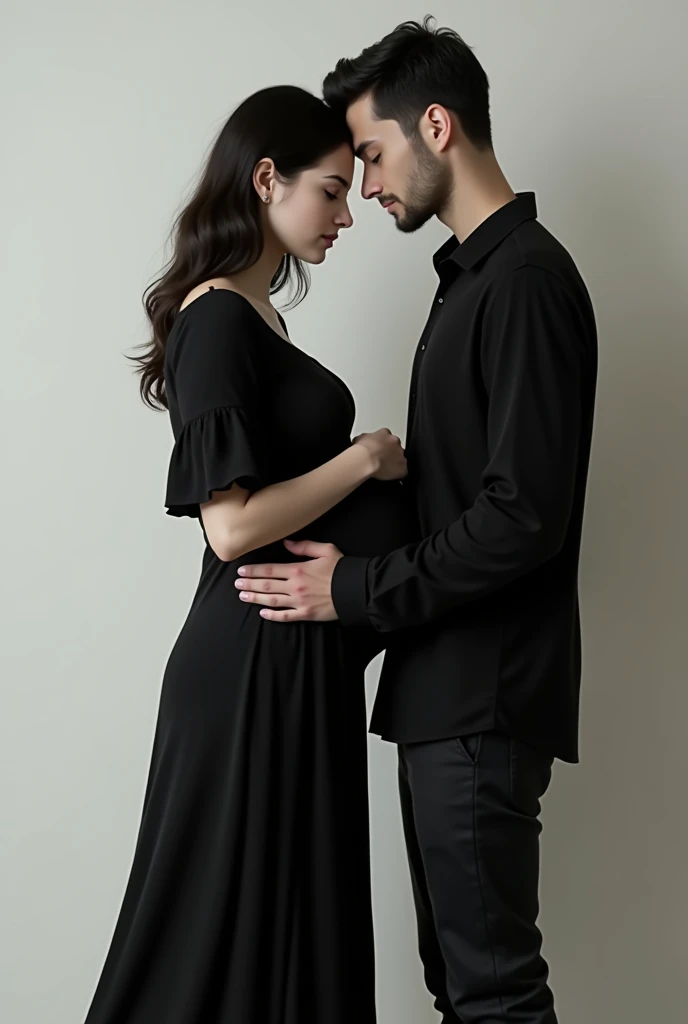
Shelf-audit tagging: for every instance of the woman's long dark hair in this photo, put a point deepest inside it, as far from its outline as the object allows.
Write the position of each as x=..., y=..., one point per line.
x=219, y=231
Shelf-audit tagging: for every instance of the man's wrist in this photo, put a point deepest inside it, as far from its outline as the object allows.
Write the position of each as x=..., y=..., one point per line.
x=350, y=590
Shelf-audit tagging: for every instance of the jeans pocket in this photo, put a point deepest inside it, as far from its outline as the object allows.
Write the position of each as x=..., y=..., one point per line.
x=470, y=746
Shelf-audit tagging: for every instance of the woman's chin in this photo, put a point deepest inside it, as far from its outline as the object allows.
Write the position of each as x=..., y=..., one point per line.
x=311, y=256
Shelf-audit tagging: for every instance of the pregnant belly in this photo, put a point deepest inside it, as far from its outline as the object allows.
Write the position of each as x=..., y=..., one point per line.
x=375, y=519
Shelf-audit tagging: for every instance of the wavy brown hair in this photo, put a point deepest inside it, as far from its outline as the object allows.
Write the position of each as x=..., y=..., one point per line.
x=219, y=231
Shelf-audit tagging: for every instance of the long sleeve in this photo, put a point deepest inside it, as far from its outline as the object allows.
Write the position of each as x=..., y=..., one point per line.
x=533, y=356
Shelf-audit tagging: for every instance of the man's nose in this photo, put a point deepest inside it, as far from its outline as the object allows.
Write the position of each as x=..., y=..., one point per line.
x=371, y=186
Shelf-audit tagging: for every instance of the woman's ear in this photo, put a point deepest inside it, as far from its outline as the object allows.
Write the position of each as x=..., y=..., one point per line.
x=263, y=179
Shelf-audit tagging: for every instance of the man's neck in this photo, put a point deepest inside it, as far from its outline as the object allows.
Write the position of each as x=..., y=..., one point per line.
x=481, y=189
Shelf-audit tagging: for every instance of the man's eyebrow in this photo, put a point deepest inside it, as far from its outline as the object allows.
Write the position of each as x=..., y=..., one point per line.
x=360, y=150
x=338, y=177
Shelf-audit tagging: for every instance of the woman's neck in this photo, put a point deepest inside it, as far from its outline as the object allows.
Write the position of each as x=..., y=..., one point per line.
x=255, y=282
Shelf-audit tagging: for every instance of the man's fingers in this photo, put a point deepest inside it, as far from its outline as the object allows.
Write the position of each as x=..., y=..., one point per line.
x=278, y=572
x=286, y=616
x=263, y=586
x=268, y=600
x=288, y=612
x=309, y=548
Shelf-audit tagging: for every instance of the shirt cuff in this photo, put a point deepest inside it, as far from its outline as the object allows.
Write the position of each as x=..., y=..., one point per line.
x=350, y=590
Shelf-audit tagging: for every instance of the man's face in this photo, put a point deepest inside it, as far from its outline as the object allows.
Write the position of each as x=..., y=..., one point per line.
x=405, y=177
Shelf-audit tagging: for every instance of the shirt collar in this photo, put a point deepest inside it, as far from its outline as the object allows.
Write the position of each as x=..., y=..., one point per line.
x=488, y=235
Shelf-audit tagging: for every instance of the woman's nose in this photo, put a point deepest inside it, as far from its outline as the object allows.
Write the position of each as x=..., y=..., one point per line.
x=345, y=219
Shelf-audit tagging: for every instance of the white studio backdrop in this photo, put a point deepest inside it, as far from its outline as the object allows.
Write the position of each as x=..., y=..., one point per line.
x=107, y=114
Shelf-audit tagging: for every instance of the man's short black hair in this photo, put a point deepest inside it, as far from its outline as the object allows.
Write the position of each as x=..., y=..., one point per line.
x=411, y=68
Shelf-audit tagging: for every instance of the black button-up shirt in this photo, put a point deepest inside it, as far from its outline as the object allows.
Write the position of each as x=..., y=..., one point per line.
x=483, y=612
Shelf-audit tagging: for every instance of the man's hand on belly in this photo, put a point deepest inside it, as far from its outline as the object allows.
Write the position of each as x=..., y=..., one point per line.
x=301, y=590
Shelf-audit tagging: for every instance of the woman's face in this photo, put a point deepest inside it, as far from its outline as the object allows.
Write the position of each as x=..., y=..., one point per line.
x=306, y=215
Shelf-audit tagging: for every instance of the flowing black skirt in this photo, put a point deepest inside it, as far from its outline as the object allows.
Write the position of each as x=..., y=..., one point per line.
x=249, y=895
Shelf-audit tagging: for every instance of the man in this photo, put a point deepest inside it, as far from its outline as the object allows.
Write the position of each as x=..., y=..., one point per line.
x=480, y=687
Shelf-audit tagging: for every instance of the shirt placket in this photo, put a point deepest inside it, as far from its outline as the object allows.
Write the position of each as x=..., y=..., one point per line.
x=438, y=303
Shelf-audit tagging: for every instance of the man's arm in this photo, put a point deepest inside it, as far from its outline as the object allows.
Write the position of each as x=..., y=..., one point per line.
x=533, y=359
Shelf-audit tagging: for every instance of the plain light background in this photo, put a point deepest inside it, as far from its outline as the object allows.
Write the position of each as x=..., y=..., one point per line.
x=108, y=111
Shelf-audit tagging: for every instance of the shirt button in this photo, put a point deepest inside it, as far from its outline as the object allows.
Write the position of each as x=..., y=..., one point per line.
x=440, y=300
x=422, y=348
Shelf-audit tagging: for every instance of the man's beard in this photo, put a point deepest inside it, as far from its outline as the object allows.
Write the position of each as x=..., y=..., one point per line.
x=429, y=191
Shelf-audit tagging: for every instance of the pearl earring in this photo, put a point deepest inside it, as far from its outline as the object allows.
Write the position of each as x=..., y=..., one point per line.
x=265, y=198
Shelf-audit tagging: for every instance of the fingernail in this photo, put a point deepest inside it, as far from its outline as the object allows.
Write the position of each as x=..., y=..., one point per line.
x=241, y=570
x=238, y=584
x=244, y=596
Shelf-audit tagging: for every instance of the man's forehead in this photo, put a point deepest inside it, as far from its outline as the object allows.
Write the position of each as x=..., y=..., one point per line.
x=365, y=129
x=360, y=118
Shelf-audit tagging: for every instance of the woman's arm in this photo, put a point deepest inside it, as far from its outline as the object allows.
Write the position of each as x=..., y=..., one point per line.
x=215, y=374
x=237, y=521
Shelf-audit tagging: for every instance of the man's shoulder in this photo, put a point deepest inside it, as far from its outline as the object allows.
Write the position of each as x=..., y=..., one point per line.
x=532, y=249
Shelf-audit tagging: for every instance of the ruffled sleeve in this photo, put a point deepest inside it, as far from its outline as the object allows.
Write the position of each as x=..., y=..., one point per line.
x=212, y=452
x=215, y=382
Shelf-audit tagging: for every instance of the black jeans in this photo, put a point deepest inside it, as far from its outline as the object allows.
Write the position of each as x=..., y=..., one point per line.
x=470, y=809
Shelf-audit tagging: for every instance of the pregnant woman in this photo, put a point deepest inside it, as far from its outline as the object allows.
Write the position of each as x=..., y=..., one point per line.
x=248, y=900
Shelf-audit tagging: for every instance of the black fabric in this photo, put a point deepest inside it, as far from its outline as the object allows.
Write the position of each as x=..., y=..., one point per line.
x=470, y=808
x=249, y=895
x=212, y=452
x=484, y=610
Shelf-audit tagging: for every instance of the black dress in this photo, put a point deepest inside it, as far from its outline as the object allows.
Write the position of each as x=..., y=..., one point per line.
x=249, y=895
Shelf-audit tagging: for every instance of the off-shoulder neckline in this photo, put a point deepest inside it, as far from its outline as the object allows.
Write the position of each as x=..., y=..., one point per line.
x=230, y=291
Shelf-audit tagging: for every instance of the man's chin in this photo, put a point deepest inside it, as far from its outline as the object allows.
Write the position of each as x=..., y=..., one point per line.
x=410, y=223
x=412, y=219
